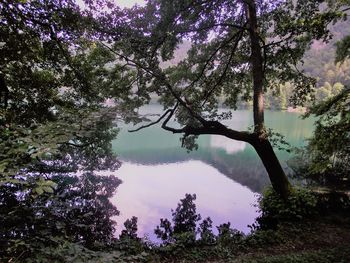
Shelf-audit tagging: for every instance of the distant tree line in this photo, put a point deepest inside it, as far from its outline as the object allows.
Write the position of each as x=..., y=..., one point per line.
x=279, y=98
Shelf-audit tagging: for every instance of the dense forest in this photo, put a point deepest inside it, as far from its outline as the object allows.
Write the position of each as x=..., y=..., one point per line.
x=72, y=73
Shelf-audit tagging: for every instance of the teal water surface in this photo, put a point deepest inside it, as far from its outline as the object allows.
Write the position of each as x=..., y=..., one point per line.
x=226, y=175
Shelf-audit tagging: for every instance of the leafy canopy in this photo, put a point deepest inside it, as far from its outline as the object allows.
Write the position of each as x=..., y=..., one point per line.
x=53, y=71
x=217, y=68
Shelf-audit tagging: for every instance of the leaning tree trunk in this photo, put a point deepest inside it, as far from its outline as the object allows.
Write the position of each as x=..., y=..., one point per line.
x=277, y=176
x=261, y=143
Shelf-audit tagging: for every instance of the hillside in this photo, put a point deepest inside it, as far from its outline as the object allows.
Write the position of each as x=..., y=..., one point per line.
x=318, y=61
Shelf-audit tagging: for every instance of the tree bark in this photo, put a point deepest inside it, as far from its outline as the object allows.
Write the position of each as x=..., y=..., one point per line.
x=257, y=68
x=4, y=92
x=261, y=143
x=278, y=178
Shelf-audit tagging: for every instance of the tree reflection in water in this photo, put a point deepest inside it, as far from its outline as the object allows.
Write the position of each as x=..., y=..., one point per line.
x=79, y=210
x=61, y=199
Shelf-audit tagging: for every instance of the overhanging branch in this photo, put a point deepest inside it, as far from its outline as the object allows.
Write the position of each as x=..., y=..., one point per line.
x=210, y=128
x=169, y=111
x=206, y=127
x=160, y=76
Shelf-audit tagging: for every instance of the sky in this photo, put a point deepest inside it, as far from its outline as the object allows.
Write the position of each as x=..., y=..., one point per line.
x=121, y=3
x=129, y=3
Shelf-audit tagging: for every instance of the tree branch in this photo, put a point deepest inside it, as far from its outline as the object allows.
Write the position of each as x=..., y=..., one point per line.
x=213, y=26
x=239, y=34
x=171, y=111
x=211, y=127
x=162, y=78
x=226, y=67
x=212, y=130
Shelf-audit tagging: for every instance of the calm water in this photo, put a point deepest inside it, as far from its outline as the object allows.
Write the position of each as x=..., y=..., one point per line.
x=226, y=175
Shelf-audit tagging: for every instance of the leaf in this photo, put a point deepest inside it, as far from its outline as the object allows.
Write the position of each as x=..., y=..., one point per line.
x=51, y=184
x=47, y=189
x=39, y=190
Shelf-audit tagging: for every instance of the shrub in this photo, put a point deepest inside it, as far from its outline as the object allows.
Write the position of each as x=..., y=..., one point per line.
x=228, y=236
x=300, y=204
x=185, y=219
x=130, y=230
x=207, y=236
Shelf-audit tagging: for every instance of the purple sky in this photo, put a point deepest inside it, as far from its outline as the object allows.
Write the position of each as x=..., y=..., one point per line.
x=129, y=3
x=121, y=3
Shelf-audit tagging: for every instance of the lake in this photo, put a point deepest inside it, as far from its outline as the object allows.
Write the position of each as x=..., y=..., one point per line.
x=227, y=176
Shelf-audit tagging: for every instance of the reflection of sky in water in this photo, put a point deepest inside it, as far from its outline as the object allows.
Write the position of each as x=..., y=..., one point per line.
x=149, y=192
x=230, y=146
x=157, y=172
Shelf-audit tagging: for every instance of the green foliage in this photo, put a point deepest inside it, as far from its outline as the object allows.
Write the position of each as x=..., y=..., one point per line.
x=184, y=219
x=78, y=211
x=59, y=64
x=319, y=60
x=300, y=205
x=217, y=70
x=228, y=236
x=325, y=159
x=329, y=255
x=327, y=91
x=54, y=72
x=129, y=243
x=297, y=226
x=229, y=245
x=184, y=233
x=207, y=236
x=130, y=230
x=56, y=131
x=235, y=57
x=278, y=140
x=343, y=49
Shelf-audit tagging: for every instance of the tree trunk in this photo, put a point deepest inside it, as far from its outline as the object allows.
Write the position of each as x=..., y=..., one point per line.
x=261, y=143
x=4, y=93
x=278, y=178
x=256, y=60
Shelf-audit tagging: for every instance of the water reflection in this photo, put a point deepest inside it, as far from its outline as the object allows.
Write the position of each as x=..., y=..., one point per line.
x=149, y=192
x=228, y=145
x=238, y=160
x=223, y=173
x=234, y=159
x=77, y=210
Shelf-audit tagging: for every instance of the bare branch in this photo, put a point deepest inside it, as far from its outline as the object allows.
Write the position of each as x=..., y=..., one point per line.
x=167, y=128
x=289, y=37
x=158, y=74
x=225, y=70
x=171, y=111
x=208, y=127
x=213, y=26
x=81, y=145
x=212, y=56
